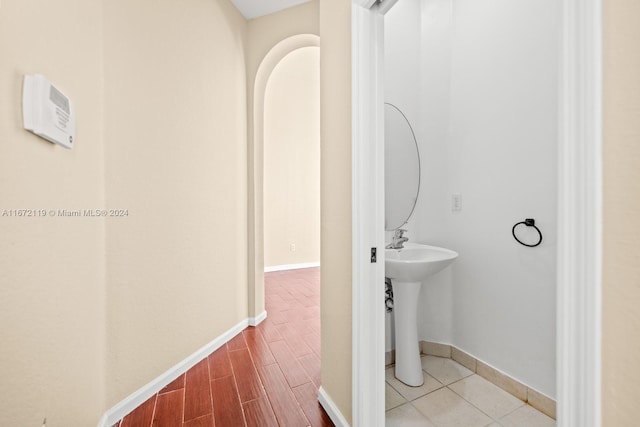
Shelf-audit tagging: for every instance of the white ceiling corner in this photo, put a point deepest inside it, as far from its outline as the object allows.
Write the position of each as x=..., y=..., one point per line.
x=254, y=8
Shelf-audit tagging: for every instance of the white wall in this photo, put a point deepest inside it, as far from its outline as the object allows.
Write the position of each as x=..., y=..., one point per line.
x=503, y=162
x=487, y=130
x=433, y=213
x=402, y=60
x=402, y=77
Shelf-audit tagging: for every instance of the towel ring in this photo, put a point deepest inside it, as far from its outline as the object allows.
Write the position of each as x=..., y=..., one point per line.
x=529, y=222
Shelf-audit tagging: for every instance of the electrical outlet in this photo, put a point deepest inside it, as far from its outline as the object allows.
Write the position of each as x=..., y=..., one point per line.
x=292, y=247
x=456, y=202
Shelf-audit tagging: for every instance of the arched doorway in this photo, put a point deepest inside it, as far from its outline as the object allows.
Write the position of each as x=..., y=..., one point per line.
x=256, y=194
x=291, y=184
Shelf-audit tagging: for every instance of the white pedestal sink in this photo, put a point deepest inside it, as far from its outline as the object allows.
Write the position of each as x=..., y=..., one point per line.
x=407, y=268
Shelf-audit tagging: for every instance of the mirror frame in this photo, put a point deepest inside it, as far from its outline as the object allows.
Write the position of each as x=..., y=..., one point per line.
x=415, y=141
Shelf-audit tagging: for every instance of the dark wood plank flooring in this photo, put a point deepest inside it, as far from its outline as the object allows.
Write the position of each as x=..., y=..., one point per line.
x=265, y=376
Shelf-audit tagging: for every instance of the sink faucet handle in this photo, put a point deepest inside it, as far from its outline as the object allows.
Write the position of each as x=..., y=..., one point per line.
x=399, y=232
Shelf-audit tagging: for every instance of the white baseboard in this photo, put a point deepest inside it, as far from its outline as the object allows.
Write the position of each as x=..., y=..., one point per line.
x=390, y=357
x=103, y=421
x=332, y=410
x=511, y=385
x=255, y=321
x=126, y=406
x=291, y=267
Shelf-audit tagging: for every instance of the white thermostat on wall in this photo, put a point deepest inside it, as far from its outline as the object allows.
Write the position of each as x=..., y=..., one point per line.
x=48, y=112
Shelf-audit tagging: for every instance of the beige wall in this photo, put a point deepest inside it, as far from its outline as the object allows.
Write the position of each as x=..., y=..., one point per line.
x=175, y=136
x=335, y=258
x=263, y=34
x=267, y=31
x=292, y=160
x=160, y=90
x=621, y=290
x=52, y=276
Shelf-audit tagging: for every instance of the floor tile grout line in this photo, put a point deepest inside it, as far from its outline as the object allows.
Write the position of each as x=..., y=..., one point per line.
x=213, y=417
x=296, y=357
x=263, y=389
x=523, y=403
x=235, y=381
x=287, y=382
x=471, y=403
x=493, y=419
x=266, y=395
x=155, y=405
x=423, y=395
x=255, y=368
x=300, y=385
x=400, y=393
x=294, y=395
x=259, y=336
x=184, y=399
x=184, y=395
x=520, y=407
x=285, y=379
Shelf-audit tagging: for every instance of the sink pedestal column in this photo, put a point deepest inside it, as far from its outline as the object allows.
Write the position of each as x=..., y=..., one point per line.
x=405, y=301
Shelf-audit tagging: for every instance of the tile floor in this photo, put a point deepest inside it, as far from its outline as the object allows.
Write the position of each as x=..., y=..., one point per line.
x=453, y=396
x=266, y=376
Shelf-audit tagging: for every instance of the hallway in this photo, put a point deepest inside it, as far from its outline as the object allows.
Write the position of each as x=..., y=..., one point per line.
x=266, y=376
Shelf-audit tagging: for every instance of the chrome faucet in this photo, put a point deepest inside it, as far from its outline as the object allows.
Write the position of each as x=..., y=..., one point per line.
x=398, y=239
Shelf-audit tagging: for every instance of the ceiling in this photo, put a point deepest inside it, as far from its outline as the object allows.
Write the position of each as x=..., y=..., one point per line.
x=255, y=8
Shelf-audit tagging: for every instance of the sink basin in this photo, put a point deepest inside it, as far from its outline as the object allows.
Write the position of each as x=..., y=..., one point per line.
x=407, y=268
x=415, y=262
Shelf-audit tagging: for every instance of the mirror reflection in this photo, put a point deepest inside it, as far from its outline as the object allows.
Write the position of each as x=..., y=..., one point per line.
x=402, y=168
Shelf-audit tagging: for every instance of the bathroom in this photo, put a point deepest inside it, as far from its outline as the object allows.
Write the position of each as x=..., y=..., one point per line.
x=485, y=121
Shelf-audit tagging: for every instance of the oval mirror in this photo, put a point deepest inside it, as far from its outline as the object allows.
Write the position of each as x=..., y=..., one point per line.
x=402, y=168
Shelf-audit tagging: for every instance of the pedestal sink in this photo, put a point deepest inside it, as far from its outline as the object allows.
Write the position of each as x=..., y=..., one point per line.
x=407, y=268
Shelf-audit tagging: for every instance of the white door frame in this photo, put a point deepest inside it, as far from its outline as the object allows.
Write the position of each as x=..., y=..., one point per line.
x=579, y=214
x=367, y=215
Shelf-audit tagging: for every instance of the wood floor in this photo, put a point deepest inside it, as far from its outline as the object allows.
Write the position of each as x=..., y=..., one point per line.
x=266, y=376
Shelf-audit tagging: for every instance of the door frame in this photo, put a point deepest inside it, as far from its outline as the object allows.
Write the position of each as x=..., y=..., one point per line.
x=367, y=186
x=579, y=278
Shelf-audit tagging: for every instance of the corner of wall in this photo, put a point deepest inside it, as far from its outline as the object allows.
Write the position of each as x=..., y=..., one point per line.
x=336, y=245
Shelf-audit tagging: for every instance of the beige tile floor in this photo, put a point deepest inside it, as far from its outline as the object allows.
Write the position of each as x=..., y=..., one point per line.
x=453, y=396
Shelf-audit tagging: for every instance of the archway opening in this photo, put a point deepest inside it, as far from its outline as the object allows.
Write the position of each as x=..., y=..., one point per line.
x=256, y=184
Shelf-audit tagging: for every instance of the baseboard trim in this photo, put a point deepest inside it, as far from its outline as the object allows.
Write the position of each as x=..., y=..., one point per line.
x=103, y=421
x=291, y=267
x=389, y=358
x=127, y=405
x=331, y=409
x=255, y=321
x=516, y=388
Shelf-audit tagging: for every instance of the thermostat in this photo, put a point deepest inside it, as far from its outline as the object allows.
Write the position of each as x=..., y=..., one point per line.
x=47, y=111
